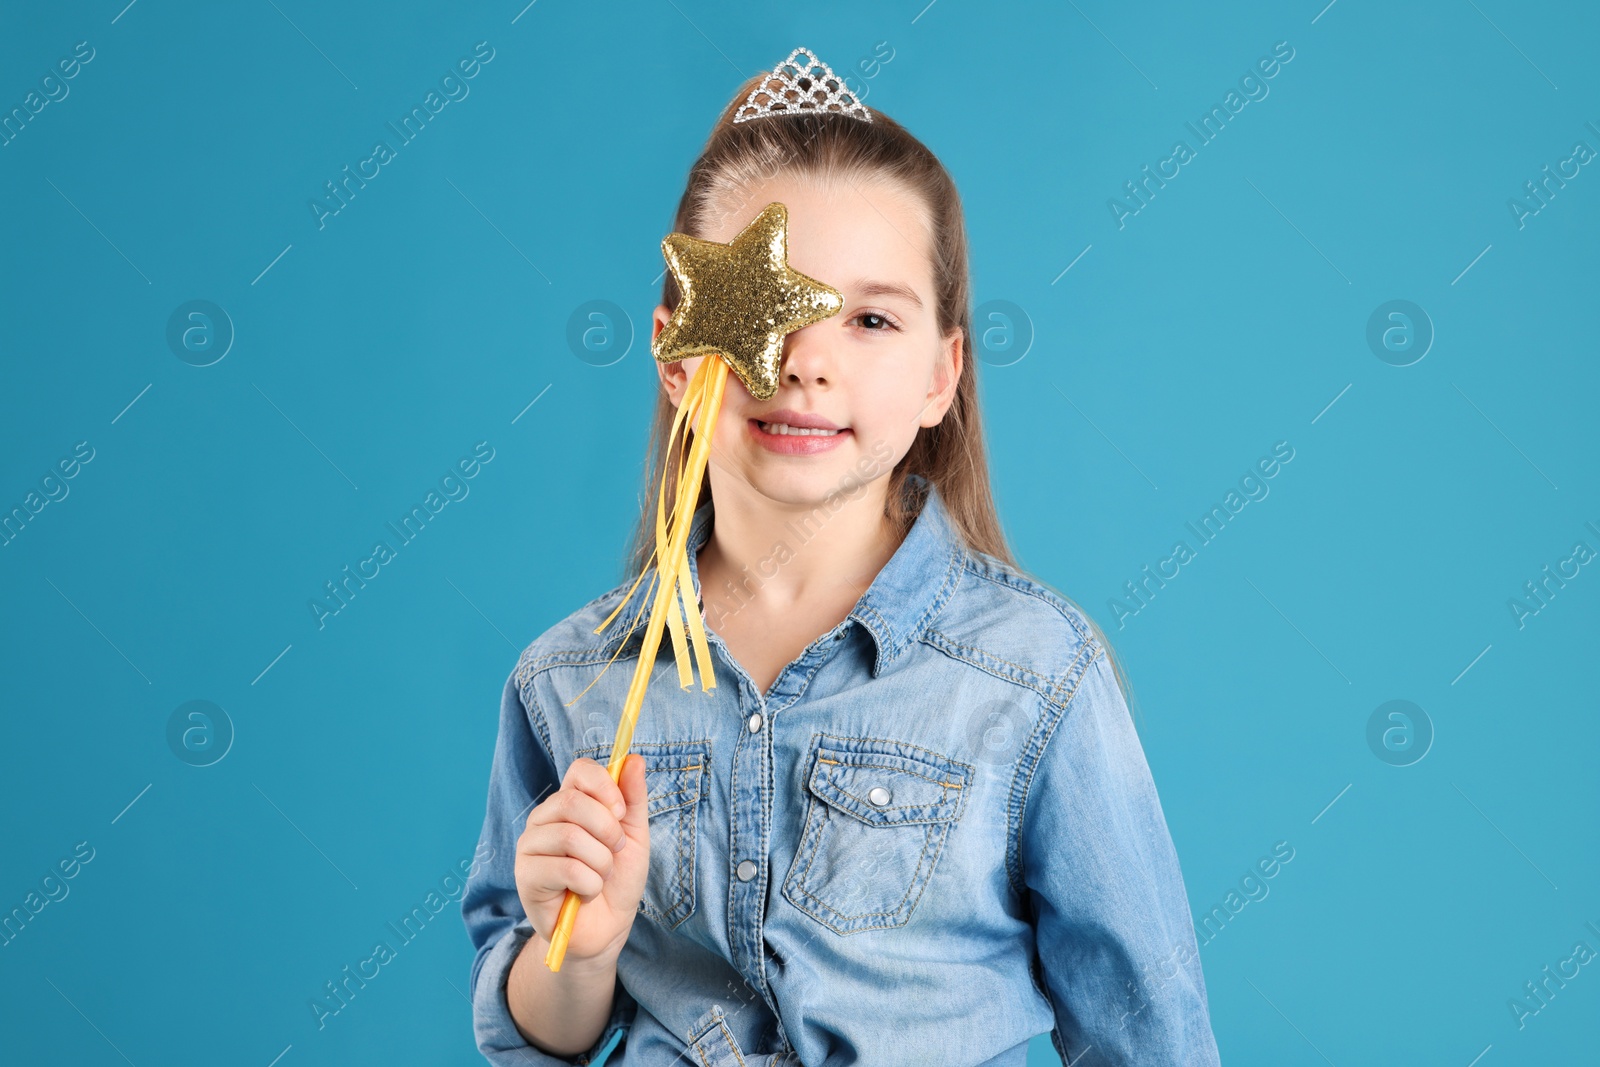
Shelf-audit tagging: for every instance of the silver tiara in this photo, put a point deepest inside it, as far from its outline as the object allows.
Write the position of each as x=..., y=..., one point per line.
x=793, y=87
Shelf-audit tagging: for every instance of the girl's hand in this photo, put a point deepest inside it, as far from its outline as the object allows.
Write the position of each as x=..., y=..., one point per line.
x=572, y=841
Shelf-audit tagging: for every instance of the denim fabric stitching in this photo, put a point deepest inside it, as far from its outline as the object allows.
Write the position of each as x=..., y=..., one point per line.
x=805, y=679
x=1045, y=728
x=675, y=793
x=1073, y=675
x=882, y=635
x=683, y=896
x=936, y=759
x=955, y=566
x=594, y=751
x=829, y=650
x=919, y=881
x=732, y=1046
x=1029, y=759
x=963, y=771
x=533, y=661
x=764, y=873
x=535, y=713
x=896, y=643
x=827, y=783
x=993, y=570
x=733, y=801
x=927, y=836
x=987, y=661
x=683, y=886
x=889, y=767
x=935, y=835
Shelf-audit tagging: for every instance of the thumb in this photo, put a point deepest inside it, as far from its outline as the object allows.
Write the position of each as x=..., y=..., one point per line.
x=635, y=793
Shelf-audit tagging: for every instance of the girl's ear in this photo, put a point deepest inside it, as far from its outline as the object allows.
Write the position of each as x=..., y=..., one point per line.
x=674, y=378
x=946, y=377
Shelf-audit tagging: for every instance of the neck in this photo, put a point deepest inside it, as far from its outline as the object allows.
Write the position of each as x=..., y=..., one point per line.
x=770, y=556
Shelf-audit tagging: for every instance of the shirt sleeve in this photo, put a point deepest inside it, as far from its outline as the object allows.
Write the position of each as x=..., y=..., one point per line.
x=1115, y=939
x=521, y=775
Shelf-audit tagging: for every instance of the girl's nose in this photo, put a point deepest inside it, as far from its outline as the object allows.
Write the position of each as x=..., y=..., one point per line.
x=806, y=358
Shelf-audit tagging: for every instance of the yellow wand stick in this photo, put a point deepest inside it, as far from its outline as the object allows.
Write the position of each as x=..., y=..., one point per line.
x=704, y=398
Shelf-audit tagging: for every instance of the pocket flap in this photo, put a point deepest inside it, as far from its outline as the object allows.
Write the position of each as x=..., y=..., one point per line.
x=888, y=783
x=674, y=771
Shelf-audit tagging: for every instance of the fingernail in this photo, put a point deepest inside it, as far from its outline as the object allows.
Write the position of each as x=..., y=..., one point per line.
x=621, y=843
x=619, y=809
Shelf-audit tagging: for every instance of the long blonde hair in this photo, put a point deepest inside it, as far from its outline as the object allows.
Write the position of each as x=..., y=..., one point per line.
x=951, y=454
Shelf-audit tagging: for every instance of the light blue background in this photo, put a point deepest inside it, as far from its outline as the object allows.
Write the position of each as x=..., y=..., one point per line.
x=1229, y=314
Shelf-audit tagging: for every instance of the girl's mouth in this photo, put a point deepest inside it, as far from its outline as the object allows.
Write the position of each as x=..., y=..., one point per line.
x=789, y=440
x=784, y=428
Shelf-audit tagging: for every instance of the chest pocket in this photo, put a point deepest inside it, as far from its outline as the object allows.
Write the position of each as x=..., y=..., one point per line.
x=676, y=773
x=877, y=820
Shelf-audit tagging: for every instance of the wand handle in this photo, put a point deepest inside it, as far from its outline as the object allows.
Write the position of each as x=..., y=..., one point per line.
x=568, y=916
x=563, y=931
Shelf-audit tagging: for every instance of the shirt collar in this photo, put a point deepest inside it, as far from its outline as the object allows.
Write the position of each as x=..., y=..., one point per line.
x=904, y=598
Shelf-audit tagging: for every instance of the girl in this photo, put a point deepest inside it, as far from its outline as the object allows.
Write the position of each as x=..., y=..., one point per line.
x=912, y=822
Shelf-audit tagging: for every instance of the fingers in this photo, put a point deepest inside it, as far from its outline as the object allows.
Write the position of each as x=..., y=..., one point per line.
x=577, y=827
x=594, y=779
x=569, y=857
x=573, y=807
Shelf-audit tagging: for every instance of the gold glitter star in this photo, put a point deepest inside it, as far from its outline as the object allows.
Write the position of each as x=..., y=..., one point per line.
x=739, y=300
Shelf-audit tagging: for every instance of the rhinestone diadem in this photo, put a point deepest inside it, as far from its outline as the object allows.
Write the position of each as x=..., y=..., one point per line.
x=798, y=84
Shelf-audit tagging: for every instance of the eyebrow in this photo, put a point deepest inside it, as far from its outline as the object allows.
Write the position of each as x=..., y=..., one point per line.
x=868, y=287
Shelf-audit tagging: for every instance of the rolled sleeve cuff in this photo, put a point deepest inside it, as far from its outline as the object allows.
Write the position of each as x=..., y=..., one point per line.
x=497, y=1034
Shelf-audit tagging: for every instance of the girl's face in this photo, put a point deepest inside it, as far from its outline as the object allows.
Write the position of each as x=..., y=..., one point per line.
x=877, y=370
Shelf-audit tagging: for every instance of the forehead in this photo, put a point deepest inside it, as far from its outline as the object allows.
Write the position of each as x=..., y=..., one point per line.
x=839, y=229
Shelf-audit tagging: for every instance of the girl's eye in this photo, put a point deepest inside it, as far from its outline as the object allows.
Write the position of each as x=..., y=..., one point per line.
x=876, y=322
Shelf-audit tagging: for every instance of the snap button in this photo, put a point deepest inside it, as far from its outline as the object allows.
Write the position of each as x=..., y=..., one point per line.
x=755, y=722
x=879, y=795
x=746, y=870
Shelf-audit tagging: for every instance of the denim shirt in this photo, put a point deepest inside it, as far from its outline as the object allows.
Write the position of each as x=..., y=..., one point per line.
x=933, y=838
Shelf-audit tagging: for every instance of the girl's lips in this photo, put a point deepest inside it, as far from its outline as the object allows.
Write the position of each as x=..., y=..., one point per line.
x=794, y=444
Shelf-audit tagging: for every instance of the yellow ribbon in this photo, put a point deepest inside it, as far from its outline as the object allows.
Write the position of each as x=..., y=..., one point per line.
x=673, y=600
